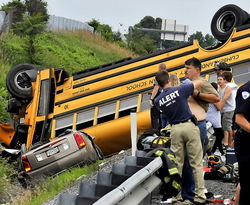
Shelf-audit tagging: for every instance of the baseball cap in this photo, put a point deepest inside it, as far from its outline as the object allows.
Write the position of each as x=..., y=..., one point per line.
x=222, y=66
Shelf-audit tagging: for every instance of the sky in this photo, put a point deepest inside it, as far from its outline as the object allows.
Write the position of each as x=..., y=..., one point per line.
x=197, y=14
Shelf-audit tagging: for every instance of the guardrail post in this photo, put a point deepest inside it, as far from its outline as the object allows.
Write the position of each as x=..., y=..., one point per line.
x=133, y=126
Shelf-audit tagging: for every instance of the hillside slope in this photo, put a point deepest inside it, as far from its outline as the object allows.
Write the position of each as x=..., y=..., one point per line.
x=73, y=51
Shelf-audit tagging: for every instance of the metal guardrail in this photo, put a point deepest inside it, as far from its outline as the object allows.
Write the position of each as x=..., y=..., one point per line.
x=130, y=182
x=127, y=187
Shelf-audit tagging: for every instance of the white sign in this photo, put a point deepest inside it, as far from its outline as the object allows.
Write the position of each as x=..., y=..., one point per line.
x=172, y=31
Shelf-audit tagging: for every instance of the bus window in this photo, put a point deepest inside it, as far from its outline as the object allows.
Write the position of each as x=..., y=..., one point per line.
x=106, y=113
x=126, y=105
x=241, y=73
x=145, y=102
x=85, y=119
x=212, y=77
x=63, y=122
x=60, y=131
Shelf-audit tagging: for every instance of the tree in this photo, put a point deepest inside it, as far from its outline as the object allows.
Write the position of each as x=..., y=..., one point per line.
x=30, y=26
x=29, y=20
x=140, y=43
x=158, y=22
x=138, y=32
x=151, y=23
x=210, y=40
x=94, y=23
x=37, y=8
x=106, y=31
x=204, y=41
x=166, y=44
x=117, y=36
x=147, y=22
x=16, y=9
x=31, y=7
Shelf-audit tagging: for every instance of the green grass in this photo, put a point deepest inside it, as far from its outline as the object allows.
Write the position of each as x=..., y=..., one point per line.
x=53, y=186
x=7, y=172
x=76, y=51
x=13, y=49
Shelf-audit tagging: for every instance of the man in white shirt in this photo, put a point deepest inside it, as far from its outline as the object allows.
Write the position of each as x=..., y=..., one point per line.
x=227, y=93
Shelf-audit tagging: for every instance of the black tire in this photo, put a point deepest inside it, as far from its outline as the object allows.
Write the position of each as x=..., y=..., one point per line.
x=226, y=19
x=18, y=82
x=14, y=106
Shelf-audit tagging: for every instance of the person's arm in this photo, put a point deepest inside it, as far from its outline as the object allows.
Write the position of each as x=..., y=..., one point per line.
x=242, y=122
x=207, y=93
x=197, y=84
x=154, y=93
x=222, y=102
x=208, y=97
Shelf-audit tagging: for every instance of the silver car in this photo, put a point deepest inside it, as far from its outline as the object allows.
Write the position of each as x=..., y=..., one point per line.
x=69, y=149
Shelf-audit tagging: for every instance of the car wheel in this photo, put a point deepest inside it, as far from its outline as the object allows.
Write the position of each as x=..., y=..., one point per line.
x=18, y=81
x=226, y=19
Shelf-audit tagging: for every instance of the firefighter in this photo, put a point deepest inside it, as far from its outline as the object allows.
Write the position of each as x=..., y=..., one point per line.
x=168, y=173
x=242, y=140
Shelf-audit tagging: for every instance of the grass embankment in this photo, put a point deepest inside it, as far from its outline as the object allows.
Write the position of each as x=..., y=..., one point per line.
x=52, y=186
x=73, y=51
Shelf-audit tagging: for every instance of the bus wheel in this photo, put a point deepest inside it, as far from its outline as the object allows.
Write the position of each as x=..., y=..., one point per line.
x=18, y=80
x=226, y=19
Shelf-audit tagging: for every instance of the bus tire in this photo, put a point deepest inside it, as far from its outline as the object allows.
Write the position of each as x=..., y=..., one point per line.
x=226, y=19
x=18, y=81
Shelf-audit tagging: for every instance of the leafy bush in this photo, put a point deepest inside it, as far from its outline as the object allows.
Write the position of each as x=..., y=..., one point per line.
x=30, y=26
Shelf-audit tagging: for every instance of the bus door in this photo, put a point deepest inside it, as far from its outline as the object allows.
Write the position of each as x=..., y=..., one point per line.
x=40, y=110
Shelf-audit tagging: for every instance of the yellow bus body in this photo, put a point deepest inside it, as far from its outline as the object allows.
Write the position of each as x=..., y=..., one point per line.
x=98, y=101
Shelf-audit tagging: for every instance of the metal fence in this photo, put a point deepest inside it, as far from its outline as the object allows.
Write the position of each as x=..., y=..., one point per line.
x=55, y=23
x=2, y=17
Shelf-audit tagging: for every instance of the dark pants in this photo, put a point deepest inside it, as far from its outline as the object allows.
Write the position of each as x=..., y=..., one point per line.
x=241, y=144
x=163, y=120
x=218, y=132
x=155, y=119
x=188, y=185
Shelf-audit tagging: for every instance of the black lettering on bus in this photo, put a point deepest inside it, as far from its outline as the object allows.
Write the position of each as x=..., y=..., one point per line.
x=137, y=85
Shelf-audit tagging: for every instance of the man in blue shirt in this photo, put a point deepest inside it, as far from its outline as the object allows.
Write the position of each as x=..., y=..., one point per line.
x=242, y=140
x=185, y=135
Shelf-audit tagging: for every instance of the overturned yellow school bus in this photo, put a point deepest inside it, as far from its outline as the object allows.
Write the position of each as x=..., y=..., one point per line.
x=47, y=101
